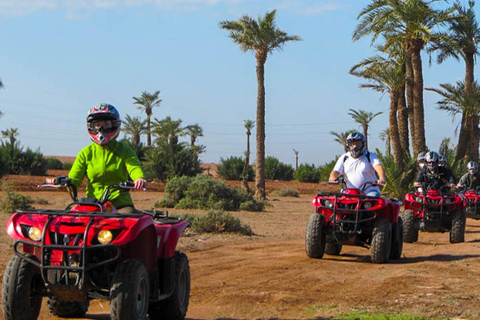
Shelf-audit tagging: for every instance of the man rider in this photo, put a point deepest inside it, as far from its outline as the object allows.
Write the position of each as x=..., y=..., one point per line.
x=470, y=180
x=432, y=176
x=359, y=166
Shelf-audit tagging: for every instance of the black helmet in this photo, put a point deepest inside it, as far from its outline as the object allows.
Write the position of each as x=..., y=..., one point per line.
x=421, y=159
x=101, y=112
x=442, y=161
x=472, y=167
x=431, y=160
x=355, y=149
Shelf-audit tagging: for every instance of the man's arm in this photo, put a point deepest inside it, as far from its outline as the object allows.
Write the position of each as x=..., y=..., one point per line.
x=334, y=175
x=381, y=173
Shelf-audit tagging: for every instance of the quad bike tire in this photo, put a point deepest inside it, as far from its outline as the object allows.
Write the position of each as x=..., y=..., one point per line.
x=381, y=241
x=457, y=233
x=174, y=307
x=22, y=281
x=129, y=293
x=397, y=240
x=315, y=238
x=410, y=230
x=332, y=247
x=67, y=309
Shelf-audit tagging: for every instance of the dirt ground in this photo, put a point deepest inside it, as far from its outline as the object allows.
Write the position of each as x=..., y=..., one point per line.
x=269, y=276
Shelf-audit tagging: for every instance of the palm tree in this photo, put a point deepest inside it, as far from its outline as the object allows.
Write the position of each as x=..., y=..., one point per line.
x=167, y=130
x=388, y=76
x=363, y=118
x=340, y=137
x=134, y=127
x=457, y=101
x=146, y=103
x=408, y=23
x=463, y=40
x=11, y=134
x=262, y=37
x=296, y=158
x=385, y=137
x=248, y=125
x=194, y=131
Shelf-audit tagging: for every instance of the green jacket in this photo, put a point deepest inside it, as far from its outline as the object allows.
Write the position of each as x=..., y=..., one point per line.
x=104, y=166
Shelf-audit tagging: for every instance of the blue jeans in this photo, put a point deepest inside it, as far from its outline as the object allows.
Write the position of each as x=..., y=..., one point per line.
x=374, y=193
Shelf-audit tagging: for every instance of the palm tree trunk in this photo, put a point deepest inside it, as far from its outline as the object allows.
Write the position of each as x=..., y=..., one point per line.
x=463, y=138
x=419, y=142
x=409, y=93
x=472, y=147
x=260, y=159
x=149, y=133
x=247, y=164
x=393, y=127
x=402, y=113
x=365, y=133
x=474, y=138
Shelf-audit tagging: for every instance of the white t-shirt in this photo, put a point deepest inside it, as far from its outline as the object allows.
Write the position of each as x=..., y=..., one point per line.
x=358, y=171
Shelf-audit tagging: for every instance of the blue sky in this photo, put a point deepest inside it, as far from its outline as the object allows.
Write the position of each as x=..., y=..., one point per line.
x=60, y=57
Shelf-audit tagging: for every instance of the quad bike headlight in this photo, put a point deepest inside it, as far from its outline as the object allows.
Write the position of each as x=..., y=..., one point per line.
x=328, y=204
x=367, y=205
x=105, y=236
x=34, y=233
x=418, y=199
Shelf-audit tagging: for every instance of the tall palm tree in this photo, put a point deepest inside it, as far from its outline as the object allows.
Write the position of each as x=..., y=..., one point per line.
x=248, y=125
x=134, y=127
x=363, y=118
x=147, y=102
x=463, y=41
x=296, y=158
x=385, y=137
x=341, y=137
x=262, y=37
x=11, y=134
x=409, y=23
x=194, y=131
x=167, y=130
x=388, y=76
x=457, y=101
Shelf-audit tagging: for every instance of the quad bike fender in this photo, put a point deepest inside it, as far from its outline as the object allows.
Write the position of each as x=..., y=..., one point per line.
x=167, y=238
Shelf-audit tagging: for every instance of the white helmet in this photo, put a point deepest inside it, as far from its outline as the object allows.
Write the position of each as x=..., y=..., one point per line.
x=472, y=167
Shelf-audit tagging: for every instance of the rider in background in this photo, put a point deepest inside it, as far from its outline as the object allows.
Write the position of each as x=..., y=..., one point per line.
x=359, y=166
x=471, y=179
x=107, y=161
x=421, y=160
x=442, y=161
x=433, y=176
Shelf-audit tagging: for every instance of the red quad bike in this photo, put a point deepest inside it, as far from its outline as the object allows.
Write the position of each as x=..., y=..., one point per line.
x=89, y=251
x=433, y=211
x=471, y=203
x=353, y=218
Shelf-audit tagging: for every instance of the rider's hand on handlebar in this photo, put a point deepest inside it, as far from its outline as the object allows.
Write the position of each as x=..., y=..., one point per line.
x=140, y=183
x=382, y=180
x=50, y=181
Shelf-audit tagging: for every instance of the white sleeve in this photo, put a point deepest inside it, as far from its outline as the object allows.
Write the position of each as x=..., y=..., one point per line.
x=339, y=165
x=374, y=159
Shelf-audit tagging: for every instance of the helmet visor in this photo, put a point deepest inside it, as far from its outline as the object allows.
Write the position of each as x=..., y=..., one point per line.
x=102, y=125
x=354, y=145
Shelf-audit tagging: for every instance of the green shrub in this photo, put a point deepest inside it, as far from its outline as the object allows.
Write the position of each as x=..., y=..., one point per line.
x=54, y=164
x=217, y=222
x=276, y=170
x=232, y=169
x=287, y=192
x=252, y=205
x=12, y=201
x=67, y=165
x=325, y=170
x=307, y=173
x=202, y=192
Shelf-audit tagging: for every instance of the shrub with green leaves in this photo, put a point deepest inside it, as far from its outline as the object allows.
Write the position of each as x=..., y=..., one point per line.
x=276, y=170
x=12, y=201
x=67, y=166
x=217, y=222
x=307, y=173
x=287, y=192
x=203, y=192
x=54, y=164
x=232, y=169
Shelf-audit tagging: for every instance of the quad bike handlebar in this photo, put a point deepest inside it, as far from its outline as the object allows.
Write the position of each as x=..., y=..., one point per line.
x=341, y=180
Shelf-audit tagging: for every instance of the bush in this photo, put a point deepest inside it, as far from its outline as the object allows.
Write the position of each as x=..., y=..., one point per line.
x=12, y=201
x=325, y=170
x=252, y=205
x=67, y=165
x=232, y=169
x=287, y=192
x=276, y=170
x=217, y=222
x=54, y=164
x=202, y=192
x=307, y=173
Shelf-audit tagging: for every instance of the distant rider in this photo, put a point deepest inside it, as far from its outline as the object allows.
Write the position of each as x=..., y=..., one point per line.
x=359, y=166
x=432, y=176
x=107, y=161
x=471, y=179
x=421, y=160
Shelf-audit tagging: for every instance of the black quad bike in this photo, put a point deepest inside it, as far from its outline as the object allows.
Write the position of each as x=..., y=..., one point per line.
x=89, y=251
x=353, y=218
